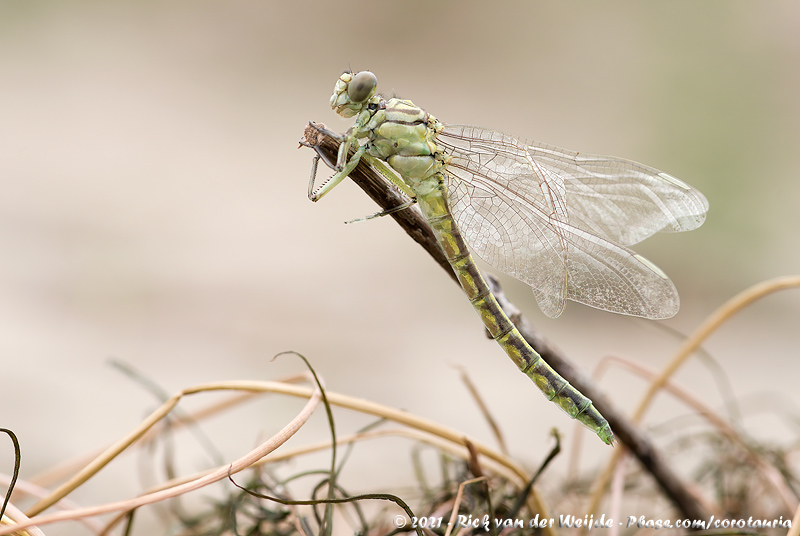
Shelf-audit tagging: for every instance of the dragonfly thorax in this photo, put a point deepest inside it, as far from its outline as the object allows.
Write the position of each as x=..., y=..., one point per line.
x=403, y=135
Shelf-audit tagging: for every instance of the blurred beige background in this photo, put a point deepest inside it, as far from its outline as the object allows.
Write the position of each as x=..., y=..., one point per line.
x=153, y=208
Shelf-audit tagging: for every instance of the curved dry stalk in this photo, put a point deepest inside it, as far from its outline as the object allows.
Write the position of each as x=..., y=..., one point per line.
x=422, y=430
x=484, y=409
x=717, y=318
x=221, y=473
x=409, y=419
x=455, y=449
x=617, y=492
x=26, y=488
x=457, y=502
x=14, y=517
x=62, y=470
x=769, y=472
x=420, y=423
x=795, y=530
x=692, y=343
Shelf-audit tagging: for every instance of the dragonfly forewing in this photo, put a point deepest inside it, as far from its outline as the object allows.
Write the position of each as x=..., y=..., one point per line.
x=618, y=199
x=622, y=200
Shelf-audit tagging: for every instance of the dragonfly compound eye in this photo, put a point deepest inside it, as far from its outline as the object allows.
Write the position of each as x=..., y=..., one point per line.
x=362, y=86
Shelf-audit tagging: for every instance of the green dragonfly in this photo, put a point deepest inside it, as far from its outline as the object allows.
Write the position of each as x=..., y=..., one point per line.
x=556, y=219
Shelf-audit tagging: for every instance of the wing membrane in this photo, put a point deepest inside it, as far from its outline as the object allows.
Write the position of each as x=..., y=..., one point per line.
x=554, y=219
x=618, y=199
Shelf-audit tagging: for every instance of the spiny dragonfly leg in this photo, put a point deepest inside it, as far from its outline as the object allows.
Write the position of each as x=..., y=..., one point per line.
x=314, y=164
x=340, y=174
x=338, y=177
x=386, y=212
x=312, y=142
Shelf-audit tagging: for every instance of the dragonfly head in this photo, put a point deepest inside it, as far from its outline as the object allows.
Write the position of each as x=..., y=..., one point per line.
x=353, y=92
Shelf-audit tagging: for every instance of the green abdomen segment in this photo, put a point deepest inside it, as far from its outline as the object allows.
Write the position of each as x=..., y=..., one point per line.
x=552, y=385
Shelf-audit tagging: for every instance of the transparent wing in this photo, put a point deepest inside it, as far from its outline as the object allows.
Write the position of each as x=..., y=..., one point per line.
x=553, y=219
x=621, y=200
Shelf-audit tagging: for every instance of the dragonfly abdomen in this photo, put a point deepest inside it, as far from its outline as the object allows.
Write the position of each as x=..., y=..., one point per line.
x=555, y=388
x=402, y=134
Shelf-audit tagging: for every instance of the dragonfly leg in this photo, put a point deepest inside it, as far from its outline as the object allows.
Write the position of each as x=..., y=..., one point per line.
x=386, y=212
x=314, y=165
x=357, y=131
x=318, y=156
x=338, y=177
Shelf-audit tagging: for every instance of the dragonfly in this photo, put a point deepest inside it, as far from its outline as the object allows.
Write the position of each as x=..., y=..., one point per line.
x=555, y=219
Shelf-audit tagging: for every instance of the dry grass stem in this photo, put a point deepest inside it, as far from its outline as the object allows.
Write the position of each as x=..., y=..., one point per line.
x=692, y=343
x=221, y=473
